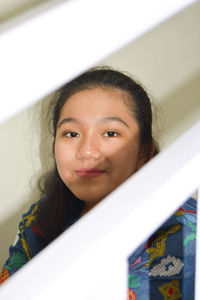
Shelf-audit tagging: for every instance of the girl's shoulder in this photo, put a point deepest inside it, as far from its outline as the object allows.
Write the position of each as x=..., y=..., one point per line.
x=189, y=207
x=186, y=214
x=28, y=220
x=28, y=239
x=29, y=233
x=27, y=243
x=29, y=217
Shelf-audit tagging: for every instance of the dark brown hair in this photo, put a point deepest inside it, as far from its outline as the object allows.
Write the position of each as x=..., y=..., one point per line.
x=60, y=207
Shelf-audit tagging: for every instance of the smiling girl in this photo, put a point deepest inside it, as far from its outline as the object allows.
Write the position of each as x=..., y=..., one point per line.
x=102, y=123
x=96, y=149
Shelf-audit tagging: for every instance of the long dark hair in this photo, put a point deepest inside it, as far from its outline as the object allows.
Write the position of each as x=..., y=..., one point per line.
x=60, y=207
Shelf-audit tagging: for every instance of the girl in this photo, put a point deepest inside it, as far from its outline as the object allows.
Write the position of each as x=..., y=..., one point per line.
x=102, y=124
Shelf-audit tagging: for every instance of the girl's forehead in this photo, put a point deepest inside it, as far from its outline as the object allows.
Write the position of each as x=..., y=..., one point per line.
x=97, y=99
x=95, y=107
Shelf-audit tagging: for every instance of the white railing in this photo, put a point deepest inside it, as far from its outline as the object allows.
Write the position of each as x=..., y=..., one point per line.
x=44, y=48
x=81, y=263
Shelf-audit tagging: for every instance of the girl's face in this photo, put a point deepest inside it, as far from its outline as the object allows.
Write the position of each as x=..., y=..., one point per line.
x=97, y=143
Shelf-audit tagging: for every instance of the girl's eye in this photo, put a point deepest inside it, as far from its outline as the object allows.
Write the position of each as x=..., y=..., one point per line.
x=111, y=134
x=72, y=134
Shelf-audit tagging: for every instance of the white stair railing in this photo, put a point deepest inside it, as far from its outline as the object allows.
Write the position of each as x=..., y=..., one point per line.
x=49, y=45
x=91, y=257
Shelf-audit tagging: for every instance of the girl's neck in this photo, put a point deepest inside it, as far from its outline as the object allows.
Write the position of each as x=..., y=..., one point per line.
x=87, y=207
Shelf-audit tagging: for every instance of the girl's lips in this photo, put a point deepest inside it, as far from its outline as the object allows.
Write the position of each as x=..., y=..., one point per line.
x=88, y=173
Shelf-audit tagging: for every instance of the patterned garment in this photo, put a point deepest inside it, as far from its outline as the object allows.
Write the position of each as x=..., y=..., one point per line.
x=26, y=245
x=162, y=268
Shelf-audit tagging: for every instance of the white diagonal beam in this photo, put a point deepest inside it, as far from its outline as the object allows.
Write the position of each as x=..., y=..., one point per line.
x=48, y=49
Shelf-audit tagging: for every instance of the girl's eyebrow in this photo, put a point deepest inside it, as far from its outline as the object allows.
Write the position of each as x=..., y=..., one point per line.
x=102, y=120
x=67, y=120
x=113, y=118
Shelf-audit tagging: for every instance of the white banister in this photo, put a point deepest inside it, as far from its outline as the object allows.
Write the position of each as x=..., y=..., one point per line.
x=89, y=259
x=40, y=51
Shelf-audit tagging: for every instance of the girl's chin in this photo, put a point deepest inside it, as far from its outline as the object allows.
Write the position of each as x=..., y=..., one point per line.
x=91, y=195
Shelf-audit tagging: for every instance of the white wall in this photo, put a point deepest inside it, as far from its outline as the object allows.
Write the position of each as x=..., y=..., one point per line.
x=165, y=60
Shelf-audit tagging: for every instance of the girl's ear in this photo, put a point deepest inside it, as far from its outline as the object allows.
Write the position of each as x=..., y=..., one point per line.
x=141, y=160
x=146, y=153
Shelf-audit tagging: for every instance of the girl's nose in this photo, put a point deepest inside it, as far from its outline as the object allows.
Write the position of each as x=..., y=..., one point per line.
x=89, y=149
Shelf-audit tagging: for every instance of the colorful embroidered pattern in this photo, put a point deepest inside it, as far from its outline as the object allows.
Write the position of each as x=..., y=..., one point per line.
x=26, y=221
x=159, y=242
x=34, y=228
x=24, y=244
x=170, y=290
x=4, y=275
x=168, y=266
x=16, y=261
x=131, y=295
x=30, y=217
x=181, y=212
x=191, y=236
x=136, y=262
x=133, y=281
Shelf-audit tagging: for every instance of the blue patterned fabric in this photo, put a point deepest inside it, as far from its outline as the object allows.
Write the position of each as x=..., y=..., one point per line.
x=164, y=267
x=161, y=268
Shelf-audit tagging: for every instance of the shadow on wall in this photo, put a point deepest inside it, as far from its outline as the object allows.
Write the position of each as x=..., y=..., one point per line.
x=180, y=111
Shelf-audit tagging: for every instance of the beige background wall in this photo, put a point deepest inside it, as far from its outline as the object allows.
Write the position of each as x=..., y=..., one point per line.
x=165, y=60
x=12, y=8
